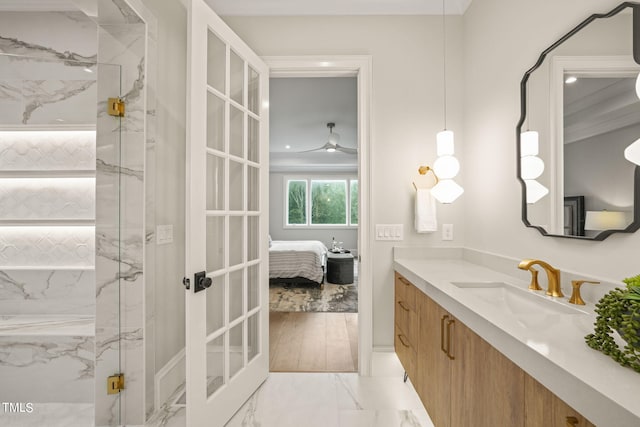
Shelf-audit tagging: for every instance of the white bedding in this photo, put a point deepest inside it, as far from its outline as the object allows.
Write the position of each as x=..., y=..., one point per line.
x=297, y=258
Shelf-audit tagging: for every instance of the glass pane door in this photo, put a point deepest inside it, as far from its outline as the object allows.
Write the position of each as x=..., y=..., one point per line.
x=227, y=354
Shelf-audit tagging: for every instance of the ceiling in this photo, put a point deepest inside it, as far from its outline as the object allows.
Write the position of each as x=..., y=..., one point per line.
x=336, y=7
x=299, y=110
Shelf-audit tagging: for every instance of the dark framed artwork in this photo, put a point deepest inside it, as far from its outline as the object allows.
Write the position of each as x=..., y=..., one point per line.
x=574, y=216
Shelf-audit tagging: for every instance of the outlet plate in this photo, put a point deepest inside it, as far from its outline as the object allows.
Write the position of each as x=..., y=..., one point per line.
x=447, y=231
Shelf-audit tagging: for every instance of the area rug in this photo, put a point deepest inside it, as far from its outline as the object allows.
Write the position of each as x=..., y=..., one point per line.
x=332, y=299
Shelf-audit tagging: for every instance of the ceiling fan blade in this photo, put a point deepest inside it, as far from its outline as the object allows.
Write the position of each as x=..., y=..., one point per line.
x=324, y=147
x=346, y=150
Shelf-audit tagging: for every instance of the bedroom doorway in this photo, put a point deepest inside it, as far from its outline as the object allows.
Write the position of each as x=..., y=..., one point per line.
x=319, y=192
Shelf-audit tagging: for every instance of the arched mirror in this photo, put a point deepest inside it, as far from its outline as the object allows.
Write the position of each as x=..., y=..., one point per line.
x=580, y=113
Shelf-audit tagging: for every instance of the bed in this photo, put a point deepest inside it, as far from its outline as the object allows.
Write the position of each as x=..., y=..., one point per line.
x=297, y=261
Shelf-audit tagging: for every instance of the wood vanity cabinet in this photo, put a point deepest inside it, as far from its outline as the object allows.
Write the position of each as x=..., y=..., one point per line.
x=406, y=324
x=461, y=379
x=543, y=408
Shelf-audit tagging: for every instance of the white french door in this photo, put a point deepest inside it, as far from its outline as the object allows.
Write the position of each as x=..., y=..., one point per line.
x=227, y=206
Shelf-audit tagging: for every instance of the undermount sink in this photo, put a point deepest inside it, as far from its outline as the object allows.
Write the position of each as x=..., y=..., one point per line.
x=515, y=300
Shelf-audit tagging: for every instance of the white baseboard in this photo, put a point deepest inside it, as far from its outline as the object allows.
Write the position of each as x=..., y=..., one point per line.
x=169, y=378
x=384, y=348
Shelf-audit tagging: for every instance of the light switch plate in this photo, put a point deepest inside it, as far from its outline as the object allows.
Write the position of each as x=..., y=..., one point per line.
x=389, y=232
x=164, y=234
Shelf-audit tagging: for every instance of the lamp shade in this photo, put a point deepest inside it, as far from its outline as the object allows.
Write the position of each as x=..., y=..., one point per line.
x=531, y=167
x=444, y=143
x=605, y=220
x=529, y=143
x=632, y=152
x=446, y=191
x=535, y=191
x=446, y=167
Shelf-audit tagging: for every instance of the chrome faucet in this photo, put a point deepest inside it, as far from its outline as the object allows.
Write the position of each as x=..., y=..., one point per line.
x=553, y=276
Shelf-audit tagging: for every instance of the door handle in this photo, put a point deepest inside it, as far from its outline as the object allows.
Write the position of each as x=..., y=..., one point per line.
x=450, y=323
x=445, y=317
x=572, y=421
x=404, y=307
x=402, y=341
x=201, y=281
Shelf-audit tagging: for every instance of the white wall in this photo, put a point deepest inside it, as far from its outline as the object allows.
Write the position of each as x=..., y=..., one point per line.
x=407, y=112
x=349, y=236
x=502, y=39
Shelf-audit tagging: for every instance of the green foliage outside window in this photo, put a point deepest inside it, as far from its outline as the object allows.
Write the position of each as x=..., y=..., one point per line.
x=331, y=202
x=297, y=193
x=328, y=202
x=353, y=194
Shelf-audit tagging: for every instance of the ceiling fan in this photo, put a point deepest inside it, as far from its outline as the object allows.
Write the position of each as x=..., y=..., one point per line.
x=332, y=143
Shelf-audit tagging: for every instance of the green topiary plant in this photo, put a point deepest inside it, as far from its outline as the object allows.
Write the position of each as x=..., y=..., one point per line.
x=619, y=310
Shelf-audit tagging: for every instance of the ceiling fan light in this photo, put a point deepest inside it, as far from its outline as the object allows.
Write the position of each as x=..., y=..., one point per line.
x=632, y=152
x=331, y=149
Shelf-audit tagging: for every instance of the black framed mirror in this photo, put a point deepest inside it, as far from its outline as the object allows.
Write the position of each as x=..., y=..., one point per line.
x=579, y=112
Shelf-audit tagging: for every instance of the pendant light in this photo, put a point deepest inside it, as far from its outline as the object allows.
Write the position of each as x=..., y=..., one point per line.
x=446, y=166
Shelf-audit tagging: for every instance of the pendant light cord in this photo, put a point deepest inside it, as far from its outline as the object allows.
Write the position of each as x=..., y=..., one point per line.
x=444, y=63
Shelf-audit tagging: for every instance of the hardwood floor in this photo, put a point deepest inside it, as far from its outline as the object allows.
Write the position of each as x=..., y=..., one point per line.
x=313, y=342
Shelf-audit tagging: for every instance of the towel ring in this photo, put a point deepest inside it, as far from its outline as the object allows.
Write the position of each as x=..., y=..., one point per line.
x=423, y=170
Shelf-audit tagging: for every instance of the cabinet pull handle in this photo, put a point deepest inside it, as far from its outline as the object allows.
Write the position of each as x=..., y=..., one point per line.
x=402, y=340
x=450, y=323
x=572, y=421
x=404, y=307
x=403, y=280
x=445, y=317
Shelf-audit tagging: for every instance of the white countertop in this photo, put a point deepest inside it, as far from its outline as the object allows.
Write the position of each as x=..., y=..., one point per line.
x=551, y=348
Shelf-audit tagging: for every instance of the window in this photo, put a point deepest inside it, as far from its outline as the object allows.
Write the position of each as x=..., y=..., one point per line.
x=321, y=202
x=297, y=202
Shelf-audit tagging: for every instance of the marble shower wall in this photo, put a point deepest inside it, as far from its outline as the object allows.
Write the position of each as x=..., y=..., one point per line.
x=124, y=157
x=47, y=211
x=56, y=87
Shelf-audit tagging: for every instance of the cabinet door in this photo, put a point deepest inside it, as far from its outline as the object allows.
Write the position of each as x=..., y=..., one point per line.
x=543, y=408
x=406, y=324
x=433, y=366
x=487, y=389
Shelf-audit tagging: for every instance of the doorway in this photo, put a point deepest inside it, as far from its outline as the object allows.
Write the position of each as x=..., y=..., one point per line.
x=318, y=332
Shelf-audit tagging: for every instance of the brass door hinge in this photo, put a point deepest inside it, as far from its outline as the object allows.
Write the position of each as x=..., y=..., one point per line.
x=115, y=384
x=115, y=107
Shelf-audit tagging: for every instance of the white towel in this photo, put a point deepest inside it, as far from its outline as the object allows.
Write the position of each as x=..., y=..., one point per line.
x=426, y=221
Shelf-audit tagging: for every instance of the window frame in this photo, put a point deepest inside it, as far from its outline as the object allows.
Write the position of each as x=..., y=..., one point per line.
x=347, y=178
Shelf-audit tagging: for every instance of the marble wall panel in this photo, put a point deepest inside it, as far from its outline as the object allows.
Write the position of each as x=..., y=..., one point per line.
x=61, y=366
x=47, y=292
x=121, y=39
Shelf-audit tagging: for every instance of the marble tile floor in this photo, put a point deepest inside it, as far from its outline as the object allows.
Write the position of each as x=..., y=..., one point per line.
x=326, y=400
